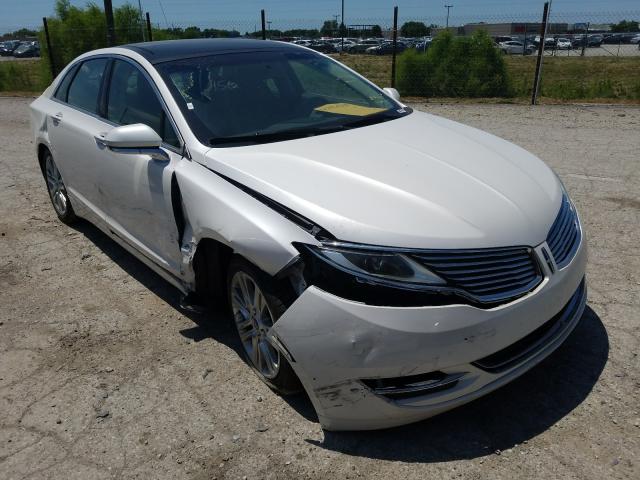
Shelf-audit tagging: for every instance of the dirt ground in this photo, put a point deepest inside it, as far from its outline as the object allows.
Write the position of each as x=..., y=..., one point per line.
x=102, y=376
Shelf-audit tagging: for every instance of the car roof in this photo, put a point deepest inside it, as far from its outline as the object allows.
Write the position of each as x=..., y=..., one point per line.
x=167, y=50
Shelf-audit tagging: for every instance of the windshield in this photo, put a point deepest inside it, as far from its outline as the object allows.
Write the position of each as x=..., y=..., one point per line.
x=266, y=96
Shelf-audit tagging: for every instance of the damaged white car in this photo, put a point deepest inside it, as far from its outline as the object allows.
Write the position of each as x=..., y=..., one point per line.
x=391, y=263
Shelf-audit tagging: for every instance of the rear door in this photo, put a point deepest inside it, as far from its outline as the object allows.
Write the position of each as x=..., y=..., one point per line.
x=73, y=122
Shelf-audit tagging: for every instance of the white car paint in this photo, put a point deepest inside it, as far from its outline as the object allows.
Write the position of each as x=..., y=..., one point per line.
x=416, y=182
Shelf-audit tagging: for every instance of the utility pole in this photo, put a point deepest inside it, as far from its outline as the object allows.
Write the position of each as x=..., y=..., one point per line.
x=111, y=31
x=342, y=29
x=448, y=7
x=141, y=20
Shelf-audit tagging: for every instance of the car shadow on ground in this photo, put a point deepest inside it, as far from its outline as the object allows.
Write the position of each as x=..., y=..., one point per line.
x=214, y=324
x=509, y=416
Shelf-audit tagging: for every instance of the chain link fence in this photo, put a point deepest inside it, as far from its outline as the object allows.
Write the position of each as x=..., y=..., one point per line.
x=583, y=56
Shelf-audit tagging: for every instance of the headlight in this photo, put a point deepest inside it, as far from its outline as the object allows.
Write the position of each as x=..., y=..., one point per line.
x=376, y=267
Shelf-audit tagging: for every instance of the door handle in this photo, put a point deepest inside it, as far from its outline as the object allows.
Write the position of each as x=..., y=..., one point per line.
x=100, y=140
x=57, y=118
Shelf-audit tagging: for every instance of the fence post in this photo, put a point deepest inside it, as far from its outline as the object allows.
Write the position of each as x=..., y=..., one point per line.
x=149, y=34
x=395, y=44
x=585, y=40
x=49, y=50
x=111, y=31
x=264, y=30
x=543, y=31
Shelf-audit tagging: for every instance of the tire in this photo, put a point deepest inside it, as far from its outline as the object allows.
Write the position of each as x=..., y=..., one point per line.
x=253, y=320
x=57, y=190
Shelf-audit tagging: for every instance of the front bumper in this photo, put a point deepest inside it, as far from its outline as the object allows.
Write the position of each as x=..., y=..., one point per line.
x=334, y=344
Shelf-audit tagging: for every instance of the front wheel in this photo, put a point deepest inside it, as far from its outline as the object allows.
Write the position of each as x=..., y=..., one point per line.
x=57, y=191
x=256, y=306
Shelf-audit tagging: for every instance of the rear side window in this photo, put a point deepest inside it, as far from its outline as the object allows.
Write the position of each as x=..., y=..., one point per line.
x=85, y=87
x=131, y=99
x=63, y=88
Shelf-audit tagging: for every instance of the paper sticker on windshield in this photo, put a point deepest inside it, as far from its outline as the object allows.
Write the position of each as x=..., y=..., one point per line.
x=190, y=106
x=348, y=109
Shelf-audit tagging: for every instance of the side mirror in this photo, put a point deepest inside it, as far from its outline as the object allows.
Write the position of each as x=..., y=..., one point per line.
x=136, y=139
x=134, y=136
x=393, y=93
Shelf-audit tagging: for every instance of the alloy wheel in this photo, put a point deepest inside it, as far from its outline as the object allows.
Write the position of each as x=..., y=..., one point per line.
x=55, y=186
x=254, y=320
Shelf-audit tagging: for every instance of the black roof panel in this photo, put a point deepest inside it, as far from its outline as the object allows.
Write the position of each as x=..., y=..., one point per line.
x=167, y=50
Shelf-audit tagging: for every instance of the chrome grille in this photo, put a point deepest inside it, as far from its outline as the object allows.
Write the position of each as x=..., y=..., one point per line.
x=564, y=236
x=488, y=275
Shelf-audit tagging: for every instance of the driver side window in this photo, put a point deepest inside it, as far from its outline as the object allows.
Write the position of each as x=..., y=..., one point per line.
x=131, y=99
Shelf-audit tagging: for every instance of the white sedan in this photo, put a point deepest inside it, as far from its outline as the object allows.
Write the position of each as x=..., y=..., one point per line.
x=513, y=47
x=391, y=263
x=563, y=44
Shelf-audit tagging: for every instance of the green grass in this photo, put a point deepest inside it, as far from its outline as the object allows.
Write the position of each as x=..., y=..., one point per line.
x=24, y=76
x=579, y=78
x=566, y=79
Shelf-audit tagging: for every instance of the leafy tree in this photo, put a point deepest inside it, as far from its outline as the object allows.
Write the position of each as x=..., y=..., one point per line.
x=19, y=34
x=414, y=29
x=74, y=30
x=128, y=23
x=625, y=26
x=302, y=32
x=376, y=31
x=329, y=28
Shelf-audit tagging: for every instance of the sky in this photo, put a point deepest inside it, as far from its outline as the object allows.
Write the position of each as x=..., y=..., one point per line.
x=243, y=15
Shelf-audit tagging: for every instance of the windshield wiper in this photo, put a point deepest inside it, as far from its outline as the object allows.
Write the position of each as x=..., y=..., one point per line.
x=375, y=118
x=266, y=137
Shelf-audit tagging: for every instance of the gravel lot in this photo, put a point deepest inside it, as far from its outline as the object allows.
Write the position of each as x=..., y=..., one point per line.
x=102, y=376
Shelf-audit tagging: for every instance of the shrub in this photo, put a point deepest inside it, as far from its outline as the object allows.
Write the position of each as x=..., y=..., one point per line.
x=455, y=67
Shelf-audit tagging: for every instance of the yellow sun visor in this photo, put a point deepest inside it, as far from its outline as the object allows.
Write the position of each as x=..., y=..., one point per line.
x=348, y=109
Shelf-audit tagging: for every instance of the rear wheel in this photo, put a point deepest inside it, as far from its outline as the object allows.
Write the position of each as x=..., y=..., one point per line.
x=57, y=191
x=256, y=306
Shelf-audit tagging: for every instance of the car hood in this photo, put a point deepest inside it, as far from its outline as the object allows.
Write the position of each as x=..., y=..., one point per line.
x=420, y=181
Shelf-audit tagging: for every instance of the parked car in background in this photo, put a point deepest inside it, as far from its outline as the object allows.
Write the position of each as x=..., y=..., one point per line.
x=423, y=45
x=361, y=47
x=503, y=38
x=386, y=48
x=563, y=44
x=338, y=44
x=514, y=47
x=635, y=39
x=549, y=42
x=618, y=38
x=324, y=47
x=24, y=50
x=590, y=41
x=391, y=263
x=7, y=47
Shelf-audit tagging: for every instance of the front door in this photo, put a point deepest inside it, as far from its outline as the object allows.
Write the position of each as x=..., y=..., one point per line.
x=137, y=188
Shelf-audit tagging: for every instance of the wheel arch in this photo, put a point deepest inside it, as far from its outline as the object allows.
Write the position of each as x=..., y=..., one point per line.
x=210, y=263
x=42, y=149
